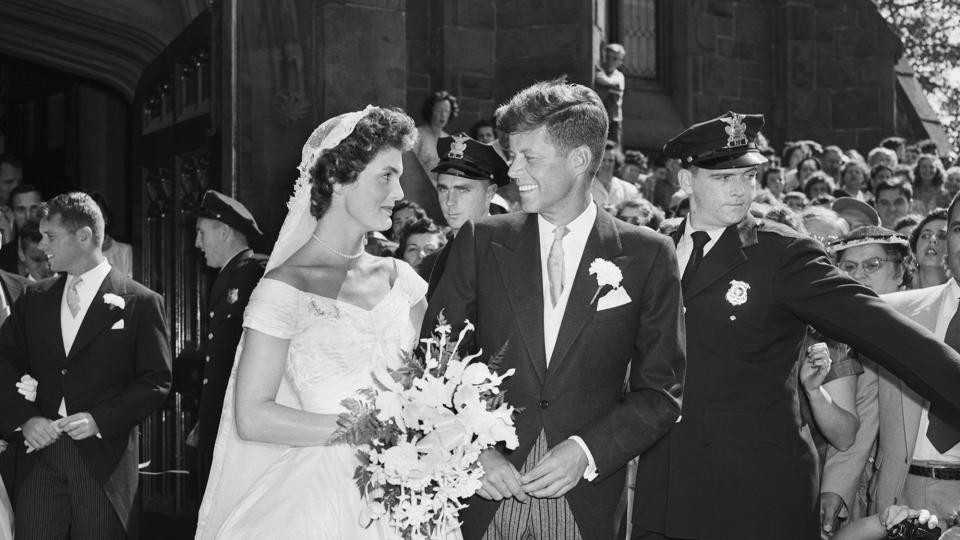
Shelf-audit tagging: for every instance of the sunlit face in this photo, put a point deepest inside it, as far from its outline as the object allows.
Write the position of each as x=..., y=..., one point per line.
x=910, y=155
x=400, y=219
x=853, y=179
x=440, y=114
x=64, y=249
x=775, y=182
x=544, y=175
x=463, y=199
x=719, y=198
x=926, y=170
x=886, y=279
x=882, y=176
x=819, y=188
x=10, y=178
x=486, y=134
x=35, y=261
x=932, y=243
x=26, y=207
x=419, y=246
x=891, y=205
x=370, y=199
x=805, y=169
x=607, y=164
x=952, y=182
x=209, y=240
x=832, y=161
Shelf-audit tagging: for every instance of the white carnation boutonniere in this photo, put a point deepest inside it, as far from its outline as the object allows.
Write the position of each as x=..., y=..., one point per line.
x=114, y=301
x=608, y=274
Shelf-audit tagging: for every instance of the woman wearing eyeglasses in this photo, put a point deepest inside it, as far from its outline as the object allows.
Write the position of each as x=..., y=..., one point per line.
x=928, y=241
x=880, y=259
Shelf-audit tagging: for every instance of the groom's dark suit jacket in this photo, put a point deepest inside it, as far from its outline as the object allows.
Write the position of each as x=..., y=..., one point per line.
x=14, y=461
x=493, y=278
x=117, y=375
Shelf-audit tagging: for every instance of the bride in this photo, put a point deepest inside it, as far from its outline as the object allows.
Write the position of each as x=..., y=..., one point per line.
x=322, y=318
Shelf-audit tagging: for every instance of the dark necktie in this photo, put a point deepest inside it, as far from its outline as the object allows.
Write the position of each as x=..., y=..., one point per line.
x=700, y=239
x=943, y=435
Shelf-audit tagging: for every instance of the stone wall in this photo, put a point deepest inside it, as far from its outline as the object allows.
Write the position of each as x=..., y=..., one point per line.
x=820, y=69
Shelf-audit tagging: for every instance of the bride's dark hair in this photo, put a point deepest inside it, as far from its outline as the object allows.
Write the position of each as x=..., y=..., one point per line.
x=380, y=128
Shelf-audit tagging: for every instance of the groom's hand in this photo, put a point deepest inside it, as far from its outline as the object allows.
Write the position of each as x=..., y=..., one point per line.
x=557, y=472
x=40, y=432
x=500, y=478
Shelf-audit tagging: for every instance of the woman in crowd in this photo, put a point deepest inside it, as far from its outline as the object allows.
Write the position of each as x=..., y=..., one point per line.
x=879, y=259
x=405, y=212
x=793, y=154
x=419, y=239
x=437, y=111
x=879, y=174
x=772, y=183
x=854, y=181
x=322, y=319
x=928, y=242
x=805, y=168
x=816, y=184
x=907, y=224
x=928, y=189
x=640, y=212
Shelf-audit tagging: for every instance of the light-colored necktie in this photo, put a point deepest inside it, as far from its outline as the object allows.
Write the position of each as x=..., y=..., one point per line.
x=73, y=297
x=555, y=265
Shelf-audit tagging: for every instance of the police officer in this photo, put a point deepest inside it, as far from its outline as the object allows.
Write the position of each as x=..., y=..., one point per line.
x=740, y=463
x=468, y=176
x=224, y=229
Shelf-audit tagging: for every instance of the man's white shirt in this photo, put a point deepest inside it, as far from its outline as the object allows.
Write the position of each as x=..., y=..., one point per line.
x=573, y=245
x=90, y=283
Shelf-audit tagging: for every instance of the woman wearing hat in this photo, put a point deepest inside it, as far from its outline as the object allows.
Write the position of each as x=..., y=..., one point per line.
x=880, y=259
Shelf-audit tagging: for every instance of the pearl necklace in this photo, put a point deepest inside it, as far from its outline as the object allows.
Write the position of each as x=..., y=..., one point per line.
x=338, y=252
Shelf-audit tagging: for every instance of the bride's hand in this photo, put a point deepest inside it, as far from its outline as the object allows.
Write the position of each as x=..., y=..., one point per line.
x=501, y=480
x=27, y=387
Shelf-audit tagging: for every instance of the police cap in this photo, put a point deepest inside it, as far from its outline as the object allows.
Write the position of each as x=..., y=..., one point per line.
x=726, y=142
x=462, y=156
x=216, y=205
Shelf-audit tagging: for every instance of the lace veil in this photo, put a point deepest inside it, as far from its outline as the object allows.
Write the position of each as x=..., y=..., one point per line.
x=238, y=463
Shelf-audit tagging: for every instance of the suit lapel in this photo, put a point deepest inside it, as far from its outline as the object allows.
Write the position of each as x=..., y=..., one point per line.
x=726, y=255
x=100, y=315
x=603, y=243
x=519, y=261
x=50, y=303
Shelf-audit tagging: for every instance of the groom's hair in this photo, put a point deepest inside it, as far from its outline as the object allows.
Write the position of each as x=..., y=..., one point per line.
x=76, y=210
x=572, y=114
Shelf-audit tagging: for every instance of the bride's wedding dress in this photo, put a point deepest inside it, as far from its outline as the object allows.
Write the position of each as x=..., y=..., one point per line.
x=6, y=511
x=308, y=492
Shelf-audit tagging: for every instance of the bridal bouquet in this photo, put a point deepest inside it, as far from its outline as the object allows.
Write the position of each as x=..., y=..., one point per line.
x=421, y=433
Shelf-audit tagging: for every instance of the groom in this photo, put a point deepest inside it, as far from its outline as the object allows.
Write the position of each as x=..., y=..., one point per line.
x=525, y=281
x=96, y=342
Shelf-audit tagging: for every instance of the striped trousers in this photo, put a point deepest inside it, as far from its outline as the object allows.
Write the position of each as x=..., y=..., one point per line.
x=61, y=495
x=537, y=519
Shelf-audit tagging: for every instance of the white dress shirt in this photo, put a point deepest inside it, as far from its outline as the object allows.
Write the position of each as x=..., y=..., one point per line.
x=924, y=449
x=69, y=325
x=685, y=245
x=573, y=244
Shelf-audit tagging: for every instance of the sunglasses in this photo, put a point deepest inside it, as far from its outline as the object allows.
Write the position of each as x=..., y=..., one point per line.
x=869, y=266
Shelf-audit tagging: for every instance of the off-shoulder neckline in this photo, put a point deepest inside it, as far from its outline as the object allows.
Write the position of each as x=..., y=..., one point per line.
x=337, y=301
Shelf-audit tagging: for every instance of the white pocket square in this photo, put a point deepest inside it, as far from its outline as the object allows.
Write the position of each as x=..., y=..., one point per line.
x=614, y=298
x=117, y=325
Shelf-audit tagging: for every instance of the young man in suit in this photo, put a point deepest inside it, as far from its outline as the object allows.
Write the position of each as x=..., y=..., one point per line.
x=918, y=462
x=468, y=176
x=14, y=461
x=224, y=230
x=578, y=297
x=97, y=344
x=741, y=464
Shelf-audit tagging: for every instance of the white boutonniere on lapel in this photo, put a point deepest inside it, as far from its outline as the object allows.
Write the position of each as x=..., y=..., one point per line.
x=114, y=301
x=737, y=293
x=608, y=274
x=233, y=295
